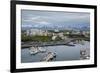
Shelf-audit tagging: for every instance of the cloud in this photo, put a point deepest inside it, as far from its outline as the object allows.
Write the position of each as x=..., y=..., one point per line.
x=26, y=20
x=43, y=22
x=30, y=19
x=37, y=20
x=54, y=19
x=26, y=25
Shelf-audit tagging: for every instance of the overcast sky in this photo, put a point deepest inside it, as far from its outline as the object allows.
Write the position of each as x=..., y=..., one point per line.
x=33, y=18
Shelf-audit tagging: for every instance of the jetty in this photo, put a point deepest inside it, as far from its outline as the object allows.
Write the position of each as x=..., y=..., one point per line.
x=52, y=43
x=43, y=44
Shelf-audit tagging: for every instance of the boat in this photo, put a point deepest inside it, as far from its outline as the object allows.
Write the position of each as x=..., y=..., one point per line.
x=34, y=50
x=41, y=49
x=49, y=56
x=84, y=54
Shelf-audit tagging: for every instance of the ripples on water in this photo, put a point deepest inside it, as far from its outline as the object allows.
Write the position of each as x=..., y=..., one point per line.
x=63, y=53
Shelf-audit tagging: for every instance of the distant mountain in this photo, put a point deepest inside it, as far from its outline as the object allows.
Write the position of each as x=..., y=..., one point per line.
x=82, y=27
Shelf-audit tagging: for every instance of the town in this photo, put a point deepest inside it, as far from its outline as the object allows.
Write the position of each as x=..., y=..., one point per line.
x=54, y=36
x=39, y=35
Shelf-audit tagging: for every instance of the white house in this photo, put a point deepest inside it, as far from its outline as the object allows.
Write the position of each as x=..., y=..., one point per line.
x=37, y=32
x=54, y=37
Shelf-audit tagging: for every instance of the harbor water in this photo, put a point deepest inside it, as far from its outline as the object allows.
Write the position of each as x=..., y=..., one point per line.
x=63, y=53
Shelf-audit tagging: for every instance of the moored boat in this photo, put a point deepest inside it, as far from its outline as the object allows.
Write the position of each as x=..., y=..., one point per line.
x=35, y=50
x=49, y=56
x=41, y=49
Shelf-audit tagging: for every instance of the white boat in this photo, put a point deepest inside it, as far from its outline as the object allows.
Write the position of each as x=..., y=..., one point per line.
x=49, y=56
x=41, y=49
x=34, y=50
x=84, y=54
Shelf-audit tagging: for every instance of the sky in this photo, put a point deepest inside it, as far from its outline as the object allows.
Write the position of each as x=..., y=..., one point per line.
x=53, y=19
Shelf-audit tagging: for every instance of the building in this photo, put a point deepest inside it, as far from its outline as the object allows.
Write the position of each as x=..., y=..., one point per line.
x=37, y=32
x=54, y=37
x=86, y=33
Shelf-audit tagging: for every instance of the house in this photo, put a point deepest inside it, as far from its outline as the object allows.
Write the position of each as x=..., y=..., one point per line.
x=54, y=37
x=37, y=32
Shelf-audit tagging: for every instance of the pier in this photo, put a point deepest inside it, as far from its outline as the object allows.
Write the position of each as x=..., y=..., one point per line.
x=42, y=44
x=52, y=43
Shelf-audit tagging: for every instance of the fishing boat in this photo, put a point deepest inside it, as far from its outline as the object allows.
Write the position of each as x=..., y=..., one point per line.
x=41, y=49
x=84, y=54
x=49, y=56
x=34, y=50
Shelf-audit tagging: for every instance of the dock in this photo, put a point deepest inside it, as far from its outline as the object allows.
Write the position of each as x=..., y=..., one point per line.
x=42, y=44
x=52, y=43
